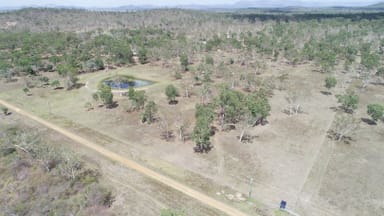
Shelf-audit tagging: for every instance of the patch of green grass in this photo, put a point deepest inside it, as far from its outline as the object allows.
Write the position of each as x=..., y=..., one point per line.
x=20, y=208
x=279, y=212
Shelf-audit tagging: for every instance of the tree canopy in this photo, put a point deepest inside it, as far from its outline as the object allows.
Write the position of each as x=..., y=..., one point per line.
x=149, y=112
x=171, y=92
x=348, y=101
x=202, y=130
x=258, y=105
x=106, y=95
x=330, y=82
x=138, y=98
x=376, y=111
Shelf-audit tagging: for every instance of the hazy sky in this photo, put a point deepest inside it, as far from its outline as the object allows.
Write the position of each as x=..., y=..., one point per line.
x=114, y=3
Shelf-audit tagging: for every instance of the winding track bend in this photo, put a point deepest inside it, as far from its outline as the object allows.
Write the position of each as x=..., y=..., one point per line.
x=209, y=201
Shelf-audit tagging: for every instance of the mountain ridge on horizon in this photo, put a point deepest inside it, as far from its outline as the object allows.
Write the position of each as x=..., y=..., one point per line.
x=243, y=4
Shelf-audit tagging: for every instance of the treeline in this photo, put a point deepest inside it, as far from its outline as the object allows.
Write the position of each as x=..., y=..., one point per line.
x=47, y=19
x=300, y=17
x=166, y=34
x=178, y=33
x=28, y=53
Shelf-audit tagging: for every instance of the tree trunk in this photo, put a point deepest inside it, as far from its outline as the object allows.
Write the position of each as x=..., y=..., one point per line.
x=222, y=120
x=186, y=92
x=340, y=137
x=241, y=135
x=297, y=108
x=181, y=134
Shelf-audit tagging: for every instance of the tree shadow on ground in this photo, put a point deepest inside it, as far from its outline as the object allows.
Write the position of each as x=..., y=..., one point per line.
x=334, y=108
x=368, y=121
x=378, y=83
x=325, y=93
x=247, y=138
x=173, y=102
x=341, y=109
x=76, y=86
x=228, y=127
x=113, y=105
x=331, y=134
x=167, y=135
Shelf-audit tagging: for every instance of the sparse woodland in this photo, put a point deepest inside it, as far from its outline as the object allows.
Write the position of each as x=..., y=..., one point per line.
x=76, y=41
x=218, y=57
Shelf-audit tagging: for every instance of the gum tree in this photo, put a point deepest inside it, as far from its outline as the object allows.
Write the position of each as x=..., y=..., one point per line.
x=171, y=93
x=149, y=112
x=184, y=62
x=106, y=95
x=202, y=130
x=4, y=110
x=348, y=101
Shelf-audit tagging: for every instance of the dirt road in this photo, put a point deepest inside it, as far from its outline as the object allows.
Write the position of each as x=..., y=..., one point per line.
x=131, y=164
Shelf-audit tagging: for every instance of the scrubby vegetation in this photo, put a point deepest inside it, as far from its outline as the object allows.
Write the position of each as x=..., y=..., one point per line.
x=39, y=178
x=376, y=111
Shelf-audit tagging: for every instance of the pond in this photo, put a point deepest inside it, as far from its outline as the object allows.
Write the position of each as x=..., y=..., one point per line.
x=125, y=82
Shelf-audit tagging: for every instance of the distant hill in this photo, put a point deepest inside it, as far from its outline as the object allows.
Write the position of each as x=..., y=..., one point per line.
x=376, y=6
x=9, y=8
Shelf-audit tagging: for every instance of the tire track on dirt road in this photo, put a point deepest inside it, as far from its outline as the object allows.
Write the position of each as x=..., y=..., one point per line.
x=205, y=199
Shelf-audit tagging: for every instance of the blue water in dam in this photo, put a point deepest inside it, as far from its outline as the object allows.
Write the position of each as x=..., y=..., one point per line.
x=125, y=85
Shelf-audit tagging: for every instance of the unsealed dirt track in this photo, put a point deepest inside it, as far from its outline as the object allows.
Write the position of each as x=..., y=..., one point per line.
x=131, y=164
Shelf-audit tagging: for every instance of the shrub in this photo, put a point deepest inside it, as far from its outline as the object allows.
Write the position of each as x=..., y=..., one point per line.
x=4, y=110
x=98, y=195
x=376, y=111
x=172, y=212
x=330, y=82
x=184, y=62
x=142, y=54
x=171, y=93
x=209, y=60
x=348, y=101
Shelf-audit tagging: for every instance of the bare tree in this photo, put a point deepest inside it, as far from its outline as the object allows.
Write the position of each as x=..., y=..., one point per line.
x=245, y=123
x=26, y=141
x=293, y=98
x=206, y=92
x=367, y=77
x=344, y=125
x=269, y=84
x=30, y=142
x=70, y=166
x=231, y=77
x=250, y=82
x=220, y=69
x=48, y=156
x=282, y=81
x=164, y=124
x=187, y=86
x=182, y=125
x=258, y=67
